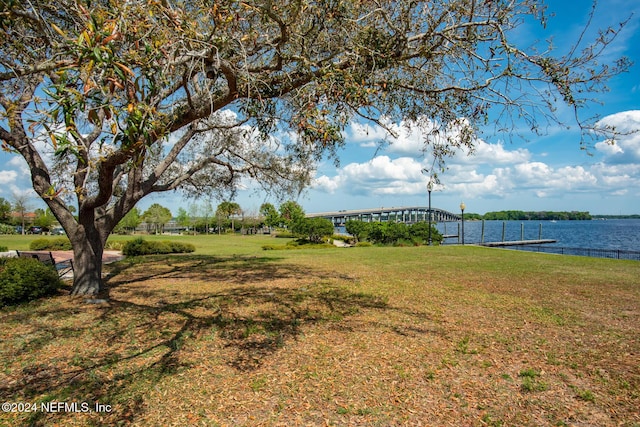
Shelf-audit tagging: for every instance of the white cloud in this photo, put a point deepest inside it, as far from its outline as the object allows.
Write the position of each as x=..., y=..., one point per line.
x=7, y=177
x=326, y=184
x=365, y=134
x=536, y=172
x=625, y=121
x=618, y=179
x=462, y=174
x=497, y=154
x=545, y=180
x=16, y=161
x=408, y=138
x=11, y=190
x=492, y=171
x=609, y=149
x=625, y=145
x=404, y=139
x=19, y=163
x=489, y=186
x=381, y=175
x=410, y=141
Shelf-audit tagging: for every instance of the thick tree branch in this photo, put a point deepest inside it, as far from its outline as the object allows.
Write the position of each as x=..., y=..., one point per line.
x=127, y=91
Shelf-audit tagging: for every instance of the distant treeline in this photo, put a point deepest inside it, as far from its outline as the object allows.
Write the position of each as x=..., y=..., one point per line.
x=635, y=216
x=525, y=216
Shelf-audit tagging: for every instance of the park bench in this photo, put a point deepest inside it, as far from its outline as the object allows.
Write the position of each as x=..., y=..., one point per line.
x=62, y=267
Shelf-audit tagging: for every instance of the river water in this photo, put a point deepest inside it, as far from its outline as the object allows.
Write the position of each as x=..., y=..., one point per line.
x=616, y=234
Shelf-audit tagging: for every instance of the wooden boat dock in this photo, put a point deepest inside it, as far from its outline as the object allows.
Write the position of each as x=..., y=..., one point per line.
x=518, y=243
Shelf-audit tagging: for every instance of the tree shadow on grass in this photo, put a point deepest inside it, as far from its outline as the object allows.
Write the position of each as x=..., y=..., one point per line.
x=230, y=269
x=144, y=335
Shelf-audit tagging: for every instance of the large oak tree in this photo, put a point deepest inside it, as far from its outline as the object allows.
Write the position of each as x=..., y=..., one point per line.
x=110, y=101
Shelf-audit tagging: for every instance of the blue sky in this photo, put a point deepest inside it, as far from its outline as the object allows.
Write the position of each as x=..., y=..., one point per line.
x=540, y=173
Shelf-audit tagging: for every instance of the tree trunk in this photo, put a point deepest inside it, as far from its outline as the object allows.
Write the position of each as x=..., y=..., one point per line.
x=87, y=264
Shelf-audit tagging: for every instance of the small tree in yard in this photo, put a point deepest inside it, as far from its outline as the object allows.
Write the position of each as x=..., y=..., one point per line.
x=182, y=218
x=43, y=218
x=313, y=229
x=156, y=217
x=130, y=221
x=5, y=210
x=270, y=215
x=290, y=213
x=108, y=102
x=226, y=210
x=20, y=207
x=358, y=229
x=420, y=232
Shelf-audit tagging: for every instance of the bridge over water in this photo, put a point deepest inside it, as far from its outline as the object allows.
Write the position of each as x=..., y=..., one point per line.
x=406, y=214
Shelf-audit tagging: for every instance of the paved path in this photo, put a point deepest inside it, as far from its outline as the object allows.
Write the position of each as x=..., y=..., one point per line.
x=59, y=256
x=107, y=256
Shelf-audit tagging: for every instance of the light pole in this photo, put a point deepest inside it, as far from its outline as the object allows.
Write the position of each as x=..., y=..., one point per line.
x=429, y=190
x=462, y=207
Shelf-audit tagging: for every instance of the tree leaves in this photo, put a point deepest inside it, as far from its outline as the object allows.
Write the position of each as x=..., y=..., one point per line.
x=133, y=95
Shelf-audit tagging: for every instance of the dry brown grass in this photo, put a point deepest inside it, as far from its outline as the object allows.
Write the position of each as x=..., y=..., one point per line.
x=362, y=336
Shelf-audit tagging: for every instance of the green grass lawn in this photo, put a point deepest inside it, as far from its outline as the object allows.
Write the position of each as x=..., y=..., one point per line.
x=211, y=244
x=16, y=241
x=234, y=335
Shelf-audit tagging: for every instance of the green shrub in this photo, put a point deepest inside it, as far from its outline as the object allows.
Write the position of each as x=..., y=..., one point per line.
x=25, y=279
x=152, y=248
x=140, y=246
x=272, y=247
x=284, y=235
x=313, y=229
x=296, y=244
x=115, y=245
x=181, y=248
x=133, y=247
x=57, y=244
x=363, y=244
x=392, y=233
x=3, y=249
x=7, y=229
